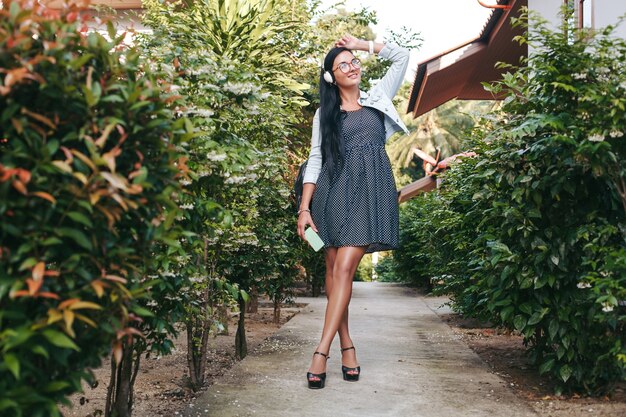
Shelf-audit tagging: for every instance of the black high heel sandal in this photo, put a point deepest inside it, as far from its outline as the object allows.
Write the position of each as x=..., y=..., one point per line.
x=321, y=378
x=347, y=376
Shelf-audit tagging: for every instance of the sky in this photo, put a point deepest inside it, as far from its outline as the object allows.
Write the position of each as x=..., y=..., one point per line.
x=443, y=24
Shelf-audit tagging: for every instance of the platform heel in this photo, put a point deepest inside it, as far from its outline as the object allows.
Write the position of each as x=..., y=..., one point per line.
x=317, y=381
x=349, y=373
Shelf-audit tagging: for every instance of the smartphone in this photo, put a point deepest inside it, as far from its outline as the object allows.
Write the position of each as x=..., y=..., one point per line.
x=314, y=239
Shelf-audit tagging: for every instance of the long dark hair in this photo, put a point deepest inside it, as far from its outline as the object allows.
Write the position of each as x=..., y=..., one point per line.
x=330, y=116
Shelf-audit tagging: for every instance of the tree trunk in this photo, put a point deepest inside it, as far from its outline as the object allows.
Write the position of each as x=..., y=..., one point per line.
x=276, y=312
x=222, y=312
x=315, y=288
x=109, y=400
x=119, y=401
x=199, y=328
x=192, y=357
x=253, y=305
x=241, y=346
x=198, y=331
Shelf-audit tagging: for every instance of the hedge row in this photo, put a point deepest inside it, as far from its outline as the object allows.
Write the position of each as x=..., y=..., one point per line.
x=531, y=234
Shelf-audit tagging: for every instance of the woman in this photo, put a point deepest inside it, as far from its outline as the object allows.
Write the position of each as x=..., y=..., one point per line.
x=350, y=184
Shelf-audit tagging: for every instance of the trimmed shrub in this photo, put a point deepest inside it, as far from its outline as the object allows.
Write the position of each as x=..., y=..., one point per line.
x=86, y=167
x=535, y=227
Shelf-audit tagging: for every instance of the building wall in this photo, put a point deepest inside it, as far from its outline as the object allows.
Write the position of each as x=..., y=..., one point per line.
x=608, y=12
x=597, y=13
x=548, y=9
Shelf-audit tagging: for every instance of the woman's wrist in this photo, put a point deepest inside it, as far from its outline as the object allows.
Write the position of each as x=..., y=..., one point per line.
x=303, y=210
x=370, y=46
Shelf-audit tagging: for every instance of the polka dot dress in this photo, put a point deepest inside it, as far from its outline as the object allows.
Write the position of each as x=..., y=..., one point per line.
x=360, y=207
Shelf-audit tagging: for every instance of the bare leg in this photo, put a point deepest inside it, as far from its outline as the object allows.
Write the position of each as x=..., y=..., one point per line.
x=345, y=263
x=349, y=356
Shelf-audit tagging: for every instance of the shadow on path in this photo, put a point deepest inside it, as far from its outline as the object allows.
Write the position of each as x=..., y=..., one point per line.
x=412, y=365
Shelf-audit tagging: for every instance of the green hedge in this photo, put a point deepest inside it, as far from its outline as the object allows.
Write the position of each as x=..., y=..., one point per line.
x=531, y=234
x=86, y=167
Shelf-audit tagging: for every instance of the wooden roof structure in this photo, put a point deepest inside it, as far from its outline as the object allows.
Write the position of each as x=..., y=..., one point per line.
x=423, y=185
x=459, y=72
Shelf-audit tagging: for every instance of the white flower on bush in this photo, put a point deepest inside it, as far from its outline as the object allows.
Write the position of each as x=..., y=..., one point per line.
x=607, y=307
x=596, y=138
x=603, y=70
x=185, y=182
x=616, y=134
x=187, y=206
x=235, y=179
x=240, y=88
x=579, y=76
x=583, y=285
x=202, y=112
x=212, y=156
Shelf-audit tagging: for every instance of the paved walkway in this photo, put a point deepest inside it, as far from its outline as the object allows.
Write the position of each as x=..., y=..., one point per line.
x=412, y=365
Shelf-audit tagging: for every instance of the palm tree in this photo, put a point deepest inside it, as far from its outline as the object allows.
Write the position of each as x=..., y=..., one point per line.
x=440, y=130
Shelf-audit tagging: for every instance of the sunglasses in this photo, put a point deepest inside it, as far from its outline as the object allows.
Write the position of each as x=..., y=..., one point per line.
x=345, y=66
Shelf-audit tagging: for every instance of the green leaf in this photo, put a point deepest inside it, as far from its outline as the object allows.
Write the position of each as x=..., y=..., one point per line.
x=506, y=313
x=540, y=281
x=519, y=322
x=51, y=241
x=80, y=218
x=18, y=337
x=526, y=308
x=527, y=282
x=553, y=329
x=56, y=386
x=80, y=61
x=546, y=366
x=141, y=311
x=535, y=318
x=76, y=235
x=6, y=404
x=565, y=372
x=39, y=350
x=59, y=339
x=27, y=264
x=13, y=364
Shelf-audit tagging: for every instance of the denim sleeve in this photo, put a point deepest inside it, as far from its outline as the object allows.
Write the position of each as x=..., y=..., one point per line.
x=394, y=77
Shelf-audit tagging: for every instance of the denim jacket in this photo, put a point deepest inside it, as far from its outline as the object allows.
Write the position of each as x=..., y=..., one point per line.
x=379, y=97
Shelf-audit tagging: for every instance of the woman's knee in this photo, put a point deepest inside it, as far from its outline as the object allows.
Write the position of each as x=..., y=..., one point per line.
x=343, y=273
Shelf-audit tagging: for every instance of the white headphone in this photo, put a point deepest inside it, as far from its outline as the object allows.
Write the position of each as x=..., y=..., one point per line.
x=328, y=77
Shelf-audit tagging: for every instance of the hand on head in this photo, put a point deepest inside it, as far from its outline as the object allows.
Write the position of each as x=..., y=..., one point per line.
x=347, y=41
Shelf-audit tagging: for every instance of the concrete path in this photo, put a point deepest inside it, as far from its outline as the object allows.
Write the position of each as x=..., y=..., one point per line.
x=412, y=365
